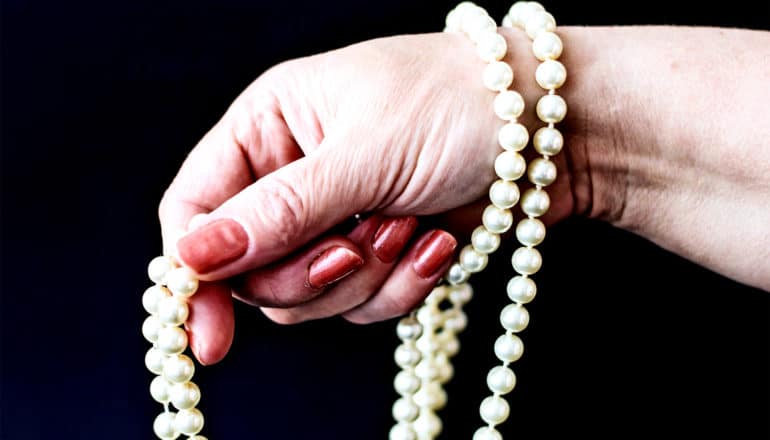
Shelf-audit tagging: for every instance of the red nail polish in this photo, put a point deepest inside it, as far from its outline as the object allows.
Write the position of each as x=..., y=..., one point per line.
x=391, y=237
x=433, y=253
x=214, y=245
x=332, y=265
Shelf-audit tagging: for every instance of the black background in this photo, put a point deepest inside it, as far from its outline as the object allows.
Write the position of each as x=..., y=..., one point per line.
x=100, y=103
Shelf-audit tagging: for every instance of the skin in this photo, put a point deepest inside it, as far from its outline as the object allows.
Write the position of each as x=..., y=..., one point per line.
x=665, y=136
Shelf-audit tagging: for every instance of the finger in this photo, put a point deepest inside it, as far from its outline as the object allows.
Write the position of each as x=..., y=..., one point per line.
x=411, y=280
x=211, y=323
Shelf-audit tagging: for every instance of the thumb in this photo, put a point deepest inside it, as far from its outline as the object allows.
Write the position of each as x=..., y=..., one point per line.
x=280, y=212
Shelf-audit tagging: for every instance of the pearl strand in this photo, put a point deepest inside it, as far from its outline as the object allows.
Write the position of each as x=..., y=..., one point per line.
x=166, y=302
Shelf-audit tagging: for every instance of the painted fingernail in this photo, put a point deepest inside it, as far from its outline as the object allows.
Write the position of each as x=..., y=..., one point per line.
x=391, y=237
x=434, y=253
x=332, y=265
x=213, y=245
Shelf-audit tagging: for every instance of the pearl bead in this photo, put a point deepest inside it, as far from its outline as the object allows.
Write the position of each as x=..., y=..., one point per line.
x=504, y=194
x=509, y=348
x=427, y=425
x=510, y=165
x=159, y=267
x=484, y=241
x=431, y=396
x=405, y=410
x=457, y=275
x=497, y=76
x=172, y=340
x=449, y=343
x=494, y=410
x=473, y=18
x=452, y=22
x=551, y=108
x=427, y=370
x=535, y=202
x=427, y=344
x=150, y=328
x=152, y=297
x=154, y=360
x=407, y=356
x=456, y=320
x=539, y=22
x=189, y=421
x=521, y=11
x=508, y=104
x=550, y=74
x=173, y=310
x=430, y=317
x=472, y=260
x=446, y=370
x=164, y=426
x=548, y=141
x=408, y=329
x=547, y=46
x=513, y=136
x=402, y=431
x=436, y=295
x=497, y=220
x=521, y=289
x=406, y=383
x=487, y=433
x=490, y=46
x=541, y=172
x=185, y=395
x=530, y=232
x=514, y=317
x=526, y=260
x=182, y=281
x=462, y=294
x=178, y=368
x=501, y=380
x=159, y=389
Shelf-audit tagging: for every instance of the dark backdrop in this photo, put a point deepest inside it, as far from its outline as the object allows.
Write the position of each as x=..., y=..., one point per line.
x=100, y=103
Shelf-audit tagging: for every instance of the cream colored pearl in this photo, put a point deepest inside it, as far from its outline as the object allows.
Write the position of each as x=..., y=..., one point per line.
x=535, y=202
x=541, y=172
x=457, y=275
x=521, y=289
x=445, y=370
x=456, y=320
x=551, y=108
x=539, y=22
x=178, y=368
x=407, y=356
x=185, y=395
x=402, y=431
x=160, y=388
x=430, y=317
x=173, y=310
x=428, y=345
x=427, y=425
x=491, y=46
x=473, y=18
x=182, y=281
x=431, y=395
x=551, y=74
x=497, y=76
x=547, y=46
x=164, y=426
x=450, y=345
x=462, y=294
x=172, y=340
x=154, y=360
x=530, y=232
x=526, y=261
x=438, y=294
x=426, y=370
x=405, y=410
x=501, y=380
x=189, y=421
x=159, y=267
x=485, y=241
x=513, y=136
x=152, y=297
x=521, y=11
x=487, y=433
x=494, y=410
x=406, y=383
x=150, y=328
x=472, y=260
x=508, y=104
x=408, y=329
x=497, y=220
x=548, y=141
x=514, y=317
x=509, y=348
x=504, y=194
x=510, y=165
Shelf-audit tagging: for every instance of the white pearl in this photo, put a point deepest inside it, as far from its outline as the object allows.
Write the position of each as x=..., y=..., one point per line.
x=472, y=260
x=551, y=74
x=172, y=340
x=430, y=317
x=154, y=360
x=547, y=46
x=521, y=11
x=462, y=294
x=510, y=165
x=452, y=22
x=150, y=328
x=507, y=21
x=548, y=141
x=407, y=356
x=456, y=320
x=497, y=76
x=513, y=136
x=457, y=275
x=436, y=295
x=185, y=395
x=450, y=345
x=484, y=241
x=159, y=389
x=494, y=410
x=551, y=108
x=427, y=370
x=508, y=104
x=521, y=289
x=159, y=267
x=402, y=431
x=189, y=421
x=535, y=202
x=541, y=172
x=514, y=317
x=446, y=370
x=497, y=220
x=164, y=426
x=526, y=260
x=539, y=22
x=473, y=18
x=182, y=281
x=173, y=310
x=427, y=425
x=530, y=232
x=501, y=380
x=152, y=296
x=405, y=410
x=431, y=396
x=178, y=368
x=504, y=194
x=408, y=329
x=509, y=348
x=487, y=433
x=406, y=383
x=491, y=46
x=428, y=344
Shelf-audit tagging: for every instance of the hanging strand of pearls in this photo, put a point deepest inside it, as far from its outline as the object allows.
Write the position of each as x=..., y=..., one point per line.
x=166, y=302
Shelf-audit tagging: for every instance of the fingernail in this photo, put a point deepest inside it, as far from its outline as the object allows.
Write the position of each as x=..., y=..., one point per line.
x=434, y=253
x=332, y=265
x=391, y=237
x=213, y=245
